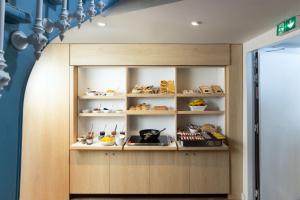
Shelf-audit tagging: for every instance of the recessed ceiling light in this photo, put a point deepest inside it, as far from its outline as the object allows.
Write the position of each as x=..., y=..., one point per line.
x=101, y=24
x=196, y=23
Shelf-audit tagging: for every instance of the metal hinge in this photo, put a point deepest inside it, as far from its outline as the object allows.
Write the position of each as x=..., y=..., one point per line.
x=256, y=129
x=256, y=194
x=255, y=78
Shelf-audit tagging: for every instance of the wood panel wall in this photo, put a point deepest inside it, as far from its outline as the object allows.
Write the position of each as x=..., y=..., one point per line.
x=149, y=54
x=234, y=74
x=45, y=145
x=45, y=155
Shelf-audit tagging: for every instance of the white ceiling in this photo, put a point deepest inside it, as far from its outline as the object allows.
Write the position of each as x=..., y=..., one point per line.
x=224, y=21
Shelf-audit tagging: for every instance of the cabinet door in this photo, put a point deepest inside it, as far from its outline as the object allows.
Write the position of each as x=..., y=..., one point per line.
x=129, y=173
x=169, y=173
x=209, y=172
x=89, y=172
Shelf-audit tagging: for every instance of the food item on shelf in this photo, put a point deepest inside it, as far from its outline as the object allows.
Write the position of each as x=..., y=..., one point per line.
x=107, y=141
x=82, y=139
x=114, y=132
x=137, y=89
x=197, y=102
x=106, y=110
x=197, y=105
x=205, y=89
x=191, y=92
x=200, y=138
x=210, y=128
x=193, y=128
x=119, y=111
x=217, y=89
x=90, y=138
x=142, y=106
x=163, y=87
x=96, y=110
x=160, y=108
x=171, y=87
x=86, y=111
x=219, y=136
x=122, y=133
x=101, y=134
x=110, y=92
x=90, y=92
x=150, y=89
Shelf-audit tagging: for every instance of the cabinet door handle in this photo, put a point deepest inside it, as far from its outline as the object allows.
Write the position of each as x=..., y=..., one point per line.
x=186, y=154
x=106, y=153
x=113, y=154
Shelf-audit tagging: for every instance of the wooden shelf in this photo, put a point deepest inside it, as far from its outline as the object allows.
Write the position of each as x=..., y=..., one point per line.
x=151, y=95
x=151, y=112
x=171, y=147
x=220, y=148
x=102, y=114
x=188, y=112
x=95, y=146
x=200, y=95
x=102, y=97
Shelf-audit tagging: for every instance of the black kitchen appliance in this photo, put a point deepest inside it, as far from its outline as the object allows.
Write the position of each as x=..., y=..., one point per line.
x=137, y=140
x=150, y=134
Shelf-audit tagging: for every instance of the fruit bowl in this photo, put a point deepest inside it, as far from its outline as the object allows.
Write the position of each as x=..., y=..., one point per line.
x=107, y=141
x=198, y=108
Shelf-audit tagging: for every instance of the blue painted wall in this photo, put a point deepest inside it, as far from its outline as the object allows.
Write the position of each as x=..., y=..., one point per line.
x=11, y=104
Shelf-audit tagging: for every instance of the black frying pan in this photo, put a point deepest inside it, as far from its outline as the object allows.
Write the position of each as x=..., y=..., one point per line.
x=150, y=134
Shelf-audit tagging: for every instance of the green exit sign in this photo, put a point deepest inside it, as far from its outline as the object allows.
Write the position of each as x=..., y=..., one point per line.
x=288, y=25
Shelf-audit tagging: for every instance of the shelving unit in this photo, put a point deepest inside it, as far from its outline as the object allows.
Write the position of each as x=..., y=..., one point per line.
x=200, y=112
x=151, y=95
x=180, y=95
x=151, y=112
x=102, y=114
x=102, y=97
x=123, y=79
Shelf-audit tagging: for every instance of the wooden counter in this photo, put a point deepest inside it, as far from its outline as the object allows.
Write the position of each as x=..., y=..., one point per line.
x=171, y=147
x=95, y=146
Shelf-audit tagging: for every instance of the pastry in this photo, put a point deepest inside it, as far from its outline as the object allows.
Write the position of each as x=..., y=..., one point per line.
x=205, y=90
x=132, y=108
x=160, y=108
x=217, y=89
x=137, y=89
x=163, y=86
x=208, y=128
x=171, y=87
x=142, y=106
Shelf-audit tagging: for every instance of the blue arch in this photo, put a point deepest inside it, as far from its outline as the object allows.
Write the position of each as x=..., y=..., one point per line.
x=11, y=104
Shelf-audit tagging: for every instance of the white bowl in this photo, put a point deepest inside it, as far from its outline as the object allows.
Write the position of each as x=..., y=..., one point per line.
x=92, y=93
x=107, y=143
x=198, y=108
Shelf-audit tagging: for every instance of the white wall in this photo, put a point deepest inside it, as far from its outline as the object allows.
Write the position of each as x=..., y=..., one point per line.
x=261, y=41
